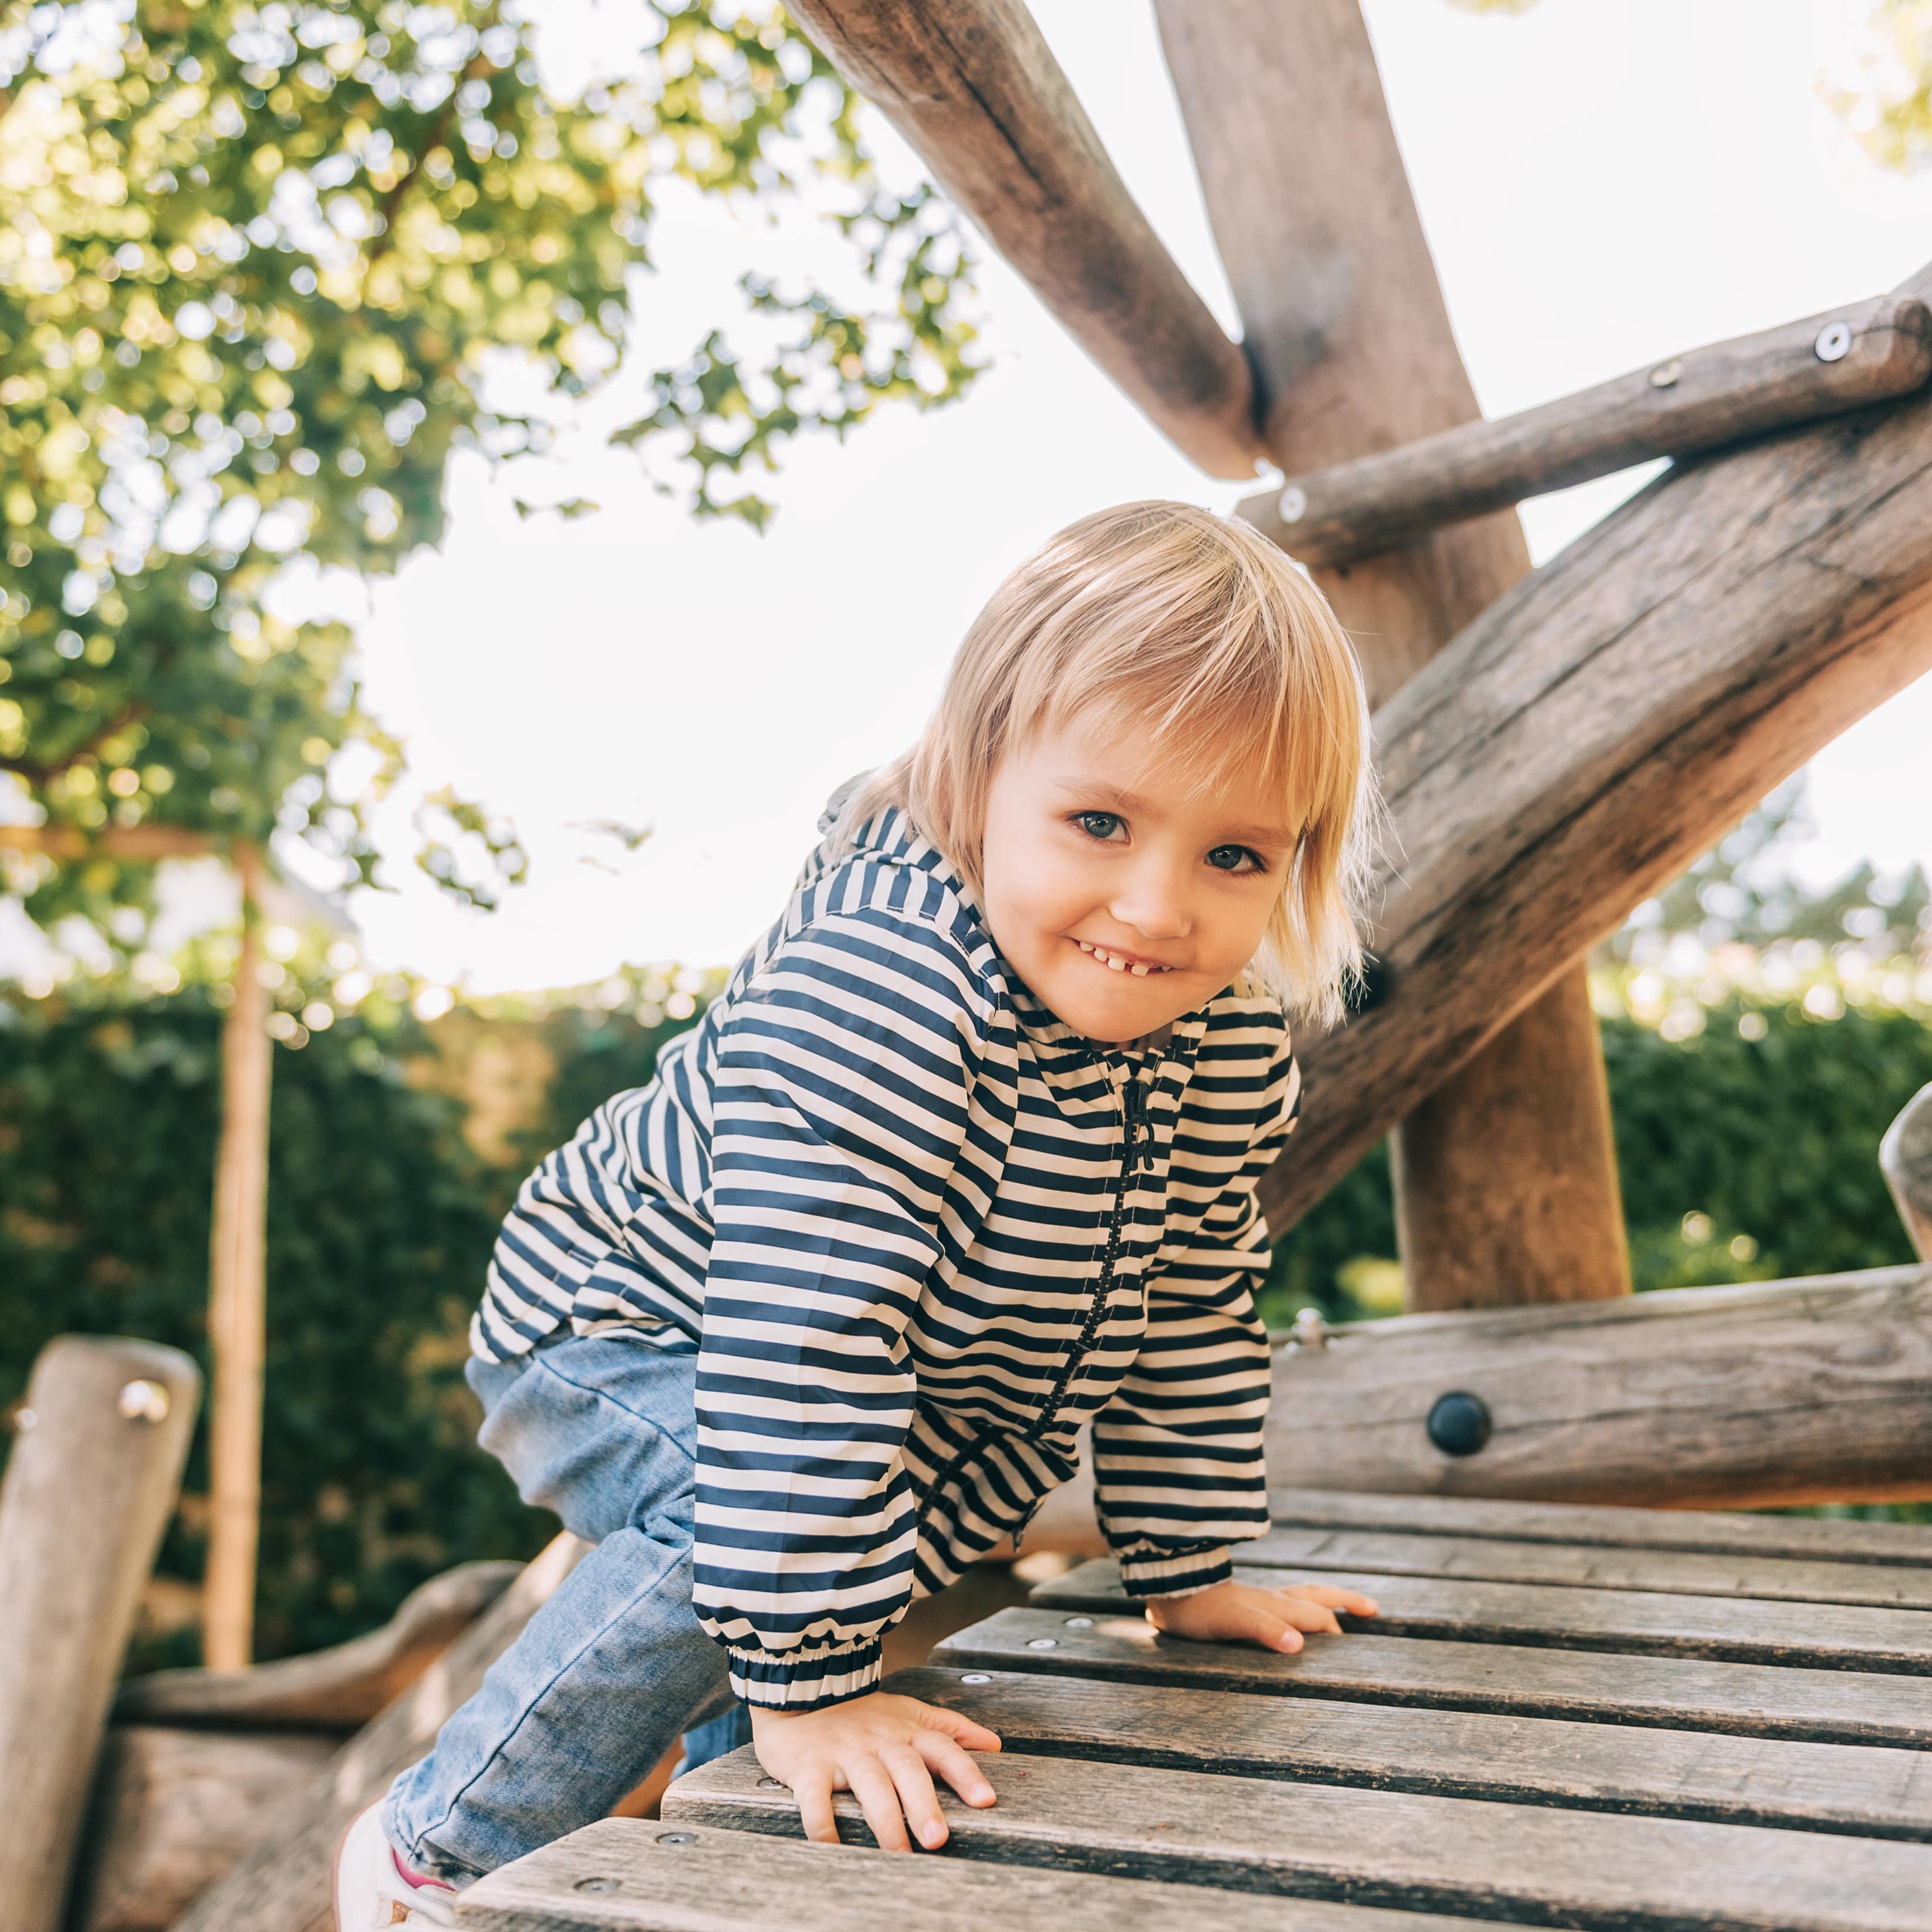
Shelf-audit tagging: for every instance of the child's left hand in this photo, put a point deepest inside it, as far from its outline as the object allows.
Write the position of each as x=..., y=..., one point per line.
x=1233, y=1612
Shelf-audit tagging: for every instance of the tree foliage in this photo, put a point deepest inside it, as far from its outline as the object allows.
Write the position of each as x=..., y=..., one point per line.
x=257, y=263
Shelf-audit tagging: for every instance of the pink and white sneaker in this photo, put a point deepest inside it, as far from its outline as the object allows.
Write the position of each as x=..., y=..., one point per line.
x=374, y=1889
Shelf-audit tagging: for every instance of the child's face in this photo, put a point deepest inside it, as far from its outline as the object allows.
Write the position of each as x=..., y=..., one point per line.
x=1123, y=893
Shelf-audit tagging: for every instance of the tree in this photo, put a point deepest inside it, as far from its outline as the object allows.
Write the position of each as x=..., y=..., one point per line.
x=255, y=263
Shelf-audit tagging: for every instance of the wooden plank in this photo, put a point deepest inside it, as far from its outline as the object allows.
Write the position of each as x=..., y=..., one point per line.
x=1804, y=1538
x=1585, y=1869
x=89, y=1487
x=1701, y=399
x=1644, y=1623
x=1505, y=1176
x=620, y=1875
x=1880, y=1792
x=1807, y=1391
x=1582, y=741
x=1906, y=1156
x=973, y=87
x=1669, y=1692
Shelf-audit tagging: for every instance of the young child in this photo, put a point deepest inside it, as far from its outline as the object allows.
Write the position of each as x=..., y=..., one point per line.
x=963, y=1158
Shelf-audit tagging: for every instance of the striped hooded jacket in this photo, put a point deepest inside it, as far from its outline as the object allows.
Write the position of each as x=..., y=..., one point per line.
x=922, y=1232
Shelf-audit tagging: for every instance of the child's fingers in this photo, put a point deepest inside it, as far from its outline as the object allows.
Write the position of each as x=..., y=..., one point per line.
x=813, y=1790
x=917, y=1798
x=1263, y=1623
x=956, y=1725
x=1353, y=1601
x=1303, y=1615
x=952, y=1764
x=879, y=1799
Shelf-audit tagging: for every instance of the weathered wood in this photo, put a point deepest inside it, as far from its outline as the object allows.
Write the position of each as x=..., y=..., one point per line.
x=1776, y=1393
x=1905, y=1155
x=973, y=87
x=1808, y=1539
x=1669, y=1692
x=1873, y=1793
x=1583, y=1869
x=1644, y=1623
x=174, y=1810
x=1345, y=322
x=687, y=1878
x=89, y=1488
x=341, y=1688
x=237, y=1318
x=282, y=1885
x=1702, y=400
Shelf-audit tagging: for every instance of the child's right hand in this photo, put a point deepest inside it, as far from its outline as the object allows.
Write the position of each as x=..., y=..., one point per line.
x=883, y=1749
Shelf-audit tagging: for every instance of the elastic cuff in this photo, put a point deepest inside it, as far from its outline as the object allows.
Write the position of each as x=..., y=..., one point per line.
x=805, y=1681
x=1176, y=1575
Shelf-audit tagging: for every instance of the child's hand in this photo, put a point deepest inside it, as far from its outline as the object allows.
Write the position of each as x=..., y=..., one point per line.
x=884, y=1750
x=1233, y=1613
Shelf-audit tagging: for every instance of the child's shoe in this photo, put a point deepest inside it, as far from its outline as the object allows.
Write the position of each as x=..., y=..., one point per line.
x=373, y=1889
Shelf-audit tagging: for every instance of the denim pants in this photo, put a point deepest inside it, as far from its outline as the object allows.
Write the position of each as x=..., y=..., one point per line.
x=601, y=1428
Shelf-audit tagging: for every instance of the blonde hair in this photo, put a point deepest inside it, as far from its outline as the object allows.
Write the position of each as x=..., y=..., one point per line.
x=1168, y=620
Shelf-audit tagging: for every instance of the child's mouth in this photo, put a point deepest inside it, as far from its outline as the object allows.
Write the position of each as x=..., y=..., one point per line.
x=1119, y=962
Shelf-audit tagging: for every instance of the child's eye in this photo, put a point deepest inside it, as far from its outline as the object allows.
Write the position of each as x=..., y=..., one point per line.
x=1099, y=824
x=1235, y=859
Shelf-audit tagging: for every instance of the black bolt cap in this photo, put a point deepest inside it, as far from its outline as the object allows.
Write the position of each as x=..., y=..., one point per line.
x=1459, y=1424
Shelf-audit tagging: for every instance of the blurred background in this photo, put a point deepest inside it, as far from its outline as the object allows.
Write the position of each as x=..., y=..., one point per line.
x=511, y=470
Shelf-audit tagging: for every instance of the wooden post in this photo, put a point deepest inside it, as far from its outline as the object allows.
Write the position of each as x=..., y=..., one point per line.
x=1352, y=348
x=89, y=1490
x=1905, y=1155
x=236, y=1314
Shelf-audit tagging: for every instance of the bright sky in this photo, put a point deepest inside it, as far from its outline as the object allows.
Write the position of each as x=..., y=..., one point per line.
x=1601, y=186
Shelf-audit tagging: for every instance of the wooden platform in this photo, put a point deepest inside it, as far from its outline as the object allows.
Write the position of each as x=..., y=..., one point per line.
x=1600, y=1719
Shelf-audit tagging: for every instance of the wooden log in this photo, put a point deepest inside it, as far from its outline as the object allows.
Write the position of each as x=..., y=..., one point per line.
x=282, y=1884
x=237, y=1313
x=1642, y=1623
x=1733, y=1780
x=89, y=1488
x=1703, y=399
x=1581, y=741
x=1396, y=1849
x=341, y=1688
x=1773, y=1394
x=1905, y=1155
x=174, y=1810
x=1757, y=1700
x=1806, y=1539
x=972, y=86
x=617, y=1876
x=1345, y=322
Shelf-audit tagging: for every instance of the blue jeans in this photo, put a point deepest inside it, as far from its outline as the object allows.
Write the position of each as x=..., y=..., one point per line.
x=606, y=1675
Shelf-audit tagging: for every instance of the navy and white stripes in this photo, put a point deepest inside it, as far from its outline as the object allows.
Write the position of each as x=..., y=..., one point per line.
x=922, y=1232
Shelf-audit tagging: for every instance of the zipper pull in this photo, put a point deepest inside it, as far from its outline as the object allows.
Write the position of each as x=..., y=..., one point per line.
x=1139, y=1142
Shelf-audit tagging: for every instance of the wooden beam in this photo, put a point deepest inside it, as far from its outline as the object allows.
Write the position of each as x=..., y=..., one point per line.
x=237, y=1314
x=1584, y=740
x=972, y=86
x=1905, y=1155
x=1345, y=324
x=1772, y=1395
x=89, y=1488
x=1704, y=400
x=139, y=842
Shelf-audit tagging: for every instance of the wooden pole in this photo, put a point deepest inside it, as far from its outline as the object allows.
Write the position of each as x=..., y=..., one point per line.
x=1353, y=352
x=974, y=88
x=89, y=1488
x=1905, y=1155
x=236, y=1317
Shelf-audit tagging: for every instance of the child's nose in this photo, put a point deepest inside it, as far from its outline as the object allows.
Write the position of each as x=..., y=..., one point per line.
x=1155, y=906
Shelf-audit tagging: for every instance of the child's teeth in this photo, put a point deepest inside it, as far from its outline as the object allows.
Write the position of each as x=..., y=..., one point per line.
x=1118, y=965
x=1138, y=972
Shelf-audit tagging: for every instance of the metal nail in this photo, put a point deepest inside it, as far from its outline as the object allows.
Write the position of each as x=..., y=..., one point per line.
x=610, y=1884
x=975, y=1677
x=1834, y=342
x=144, y=1402
x=1294, y=504
x=771, y=1784
x=1079, y=1623
x=1043, y=1643
x=677, y=1838
x=1665, y=375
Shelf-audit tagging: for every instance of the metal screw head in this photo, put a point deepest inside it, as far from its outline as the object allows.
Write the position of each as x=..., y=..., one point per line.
x=1079, y=1623
x=1459, y=1423
x=1834, y=342
x=771, y=1784
x=677, y=1838
x=1043, y=1643
x=1665, y=375
x=1294, y=504
x=144, y=1402
x=975, y=1677
x=603, y=1884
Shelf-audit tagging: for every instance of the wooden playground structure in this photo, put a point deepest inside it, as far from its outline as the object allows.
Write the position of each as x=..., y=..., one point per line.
x=1594, y=1700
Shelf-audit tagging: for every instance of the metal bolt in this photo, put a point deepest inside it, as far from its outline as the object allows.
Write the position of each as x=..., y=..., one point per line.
x=771, y=1784
x=677, y=1838
x=1665, y=375
x=1459, y=1423
x=604, y=1884
x=1079, y=1623
x=1294, y=504
x=975, y=1677
x=1309, y=1330
x=1834, y=342
x=144, y=1402
x=1043, y=1643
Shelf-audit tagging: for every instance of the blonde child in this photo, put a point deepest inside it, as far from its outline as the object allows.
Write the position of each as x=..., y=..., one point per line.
x=963, y=1158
